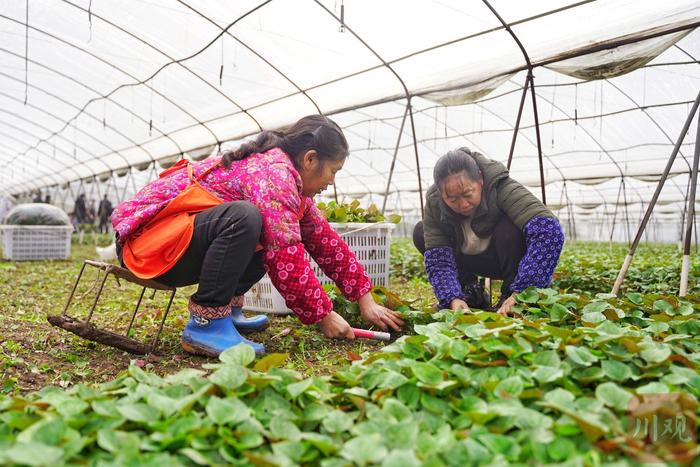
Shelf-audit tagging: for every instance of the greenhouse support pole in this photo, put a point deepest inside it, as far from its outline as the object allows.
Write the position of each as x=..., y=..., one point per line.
x=685, y=264
x=628, y=259
x=680, y=227
x=126, y=183
x=537, y=133
x=614, y=219
x=415, y=150
x=393, y=160
x=517, y=120
x=531, y=79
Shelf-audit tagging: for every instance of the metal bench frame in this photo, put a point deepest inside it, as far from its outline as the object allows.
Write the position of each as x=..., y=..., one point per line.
x=87, y=330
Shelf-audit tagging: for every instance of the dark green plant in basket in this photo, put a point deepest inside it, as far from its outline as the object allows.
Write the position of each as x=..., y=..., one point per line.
x=352, y=212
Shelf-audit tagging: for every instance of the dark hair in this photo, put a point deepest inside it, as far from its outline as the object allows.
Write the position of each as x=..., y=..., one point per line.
x=454, y=162
x=311, y=132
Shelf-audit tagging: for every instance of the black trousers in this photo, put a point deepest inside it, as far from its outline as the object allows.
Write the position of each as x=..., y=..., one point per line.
x=499, y=261
x=221, y=257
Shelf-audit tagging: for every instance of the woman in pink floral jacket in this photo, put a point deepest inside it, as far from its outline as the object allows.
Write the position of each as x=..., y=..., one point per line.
x=267, y=187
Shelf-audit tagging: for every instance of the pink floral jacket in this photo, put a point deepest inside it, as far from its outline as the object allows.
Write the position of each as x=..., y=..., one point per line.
x=270, y=182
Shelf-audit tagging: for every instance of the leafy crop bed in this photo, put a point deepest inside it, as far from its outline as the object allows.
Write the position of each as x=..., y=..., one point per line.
x=560, y=383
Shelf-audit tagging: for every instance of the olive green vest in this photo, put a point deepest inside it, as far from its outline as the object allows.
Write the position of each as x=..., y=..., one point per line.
x=501, y=196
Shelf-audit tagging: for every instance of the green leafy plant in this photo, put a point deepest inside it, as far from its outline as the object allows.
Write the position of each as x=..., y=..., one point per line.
x=352, y=212
x=405, y=261
x=554, y=384
x=466, y=388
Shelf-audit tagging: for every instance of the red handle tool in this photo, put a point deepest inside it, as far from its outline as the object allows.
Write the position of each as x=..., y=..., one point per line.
x=376, y=335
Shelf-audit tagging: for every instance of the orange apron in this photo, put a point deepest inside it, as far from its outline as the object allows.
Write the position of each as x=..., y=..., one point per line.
x=157, y=246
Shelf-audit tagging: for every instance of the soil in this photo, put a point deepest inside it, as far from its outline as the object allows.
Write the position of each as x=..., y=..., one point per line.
x=34, y=354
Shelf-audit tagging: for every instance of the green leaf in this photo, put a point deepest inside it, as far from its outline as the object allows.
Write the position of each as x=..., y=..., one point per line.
x=290, y=450
x=116, y=442
x=196, y=456
x=509, y=387
x=560, y=397
x=595, y=307
x=400, y=435
x=593, y=317
x=401, y=458
x=580, y=355
x=531, y=419
x=227, y=411
x=167, y=405
x=296, y=389
x=396, y=409
x=139, y=412
x=613, y=396
x=409, y=394
x=47, y=431
x=588, y=375
x=656, y=353
x=547, y=358
x=241, y=354
x=459, y=349
x=106, y=408
x=547, y=374
x=394, y=218
x=663, y=306
x=561, y=449
x=337, y=422
x=273, y=360
x=657, y=327
x=557, y=312
x=654, y=387
x=500, y=444
x=435, y=405
x=284, y=429
x=615, y=370
x=478, y=454
x=364, y=449
x=427, y=372
x=528, y=295
x=323, y=443
x=34, y=454
x=230, y=376
x=685, y=309
x=635, y=298
x=184, y=376
x=391, y=379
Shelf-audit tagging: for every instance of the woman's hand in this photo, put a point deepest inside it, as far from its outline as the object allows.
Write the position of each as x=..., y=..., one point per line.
x=458, y=304
x=334, y=326
x=378, y=315
x=507, y=306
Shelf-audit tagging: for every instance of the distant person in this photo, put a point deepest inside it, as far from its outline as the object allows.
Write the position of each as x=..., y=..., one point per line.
x=104, y=211
x=80, y=210
x=91, y=212
x=37, y=197
x=47, y=199
x=480, y=222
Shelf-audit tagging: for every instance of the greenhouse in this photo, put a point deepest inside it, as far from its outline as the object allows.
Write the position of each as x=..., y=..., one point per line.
x=579, y=118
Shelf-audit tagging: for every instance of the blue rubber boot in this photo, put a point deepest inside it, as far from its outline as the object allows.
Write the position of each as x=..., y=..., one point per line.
x=244, y=325
x=210, y=337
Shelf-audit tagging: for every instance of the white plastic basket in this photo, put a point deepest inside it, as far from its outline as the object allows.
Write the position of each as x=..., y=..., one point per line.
x=369, y=242
x=35, y=242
